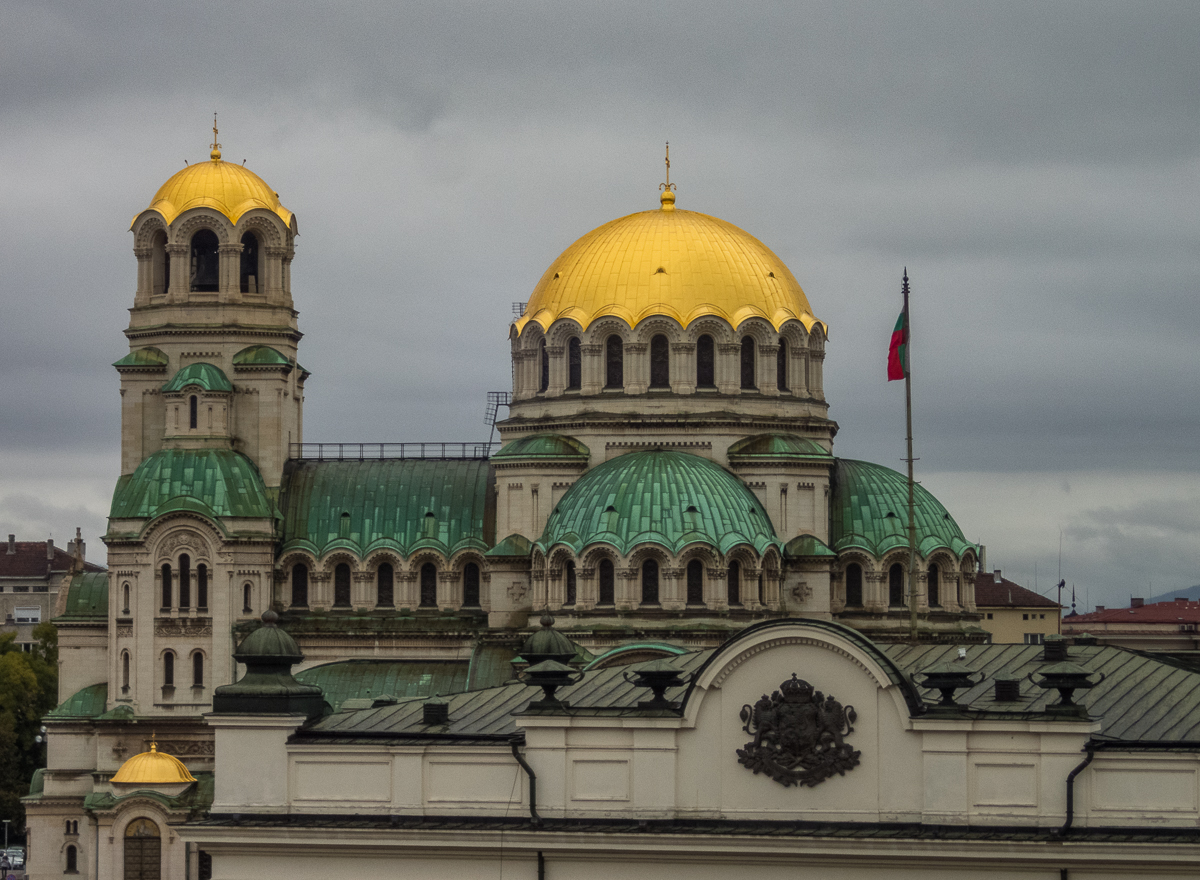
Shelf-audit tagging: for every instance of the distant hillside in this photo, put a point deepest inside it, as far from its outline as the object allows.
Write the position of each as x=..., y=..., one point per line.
x=1187, y=593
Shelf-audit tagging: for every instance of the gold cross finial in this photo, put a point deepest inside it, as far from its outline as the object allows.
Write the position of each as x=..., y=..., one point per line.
x=668, y=197
x=216, y=148
x=668, y=163
x=153, y=741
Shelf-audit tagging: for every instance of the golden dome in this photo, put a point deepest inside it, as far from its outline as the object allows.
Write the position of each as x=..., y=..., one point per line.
x=668, y=262
x=231, y=189
x=153, y=768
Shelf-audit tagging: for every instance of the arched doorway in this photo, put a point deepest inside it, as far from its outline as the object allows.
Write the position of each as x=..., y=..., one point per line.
x=143, y=850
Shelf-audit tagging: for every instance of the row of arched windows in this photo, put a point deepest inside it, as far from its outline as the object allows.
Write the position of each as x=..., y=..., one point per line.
x=168, y=670
x=649, y=583
x=204, y=263
x=896, y=577
x=660, y=363
x=385, y=586
x=177, y=586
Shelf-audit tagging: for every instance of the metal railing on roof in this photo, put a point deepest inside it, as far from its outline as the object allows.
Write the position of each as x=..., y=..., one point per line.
x=385, y=451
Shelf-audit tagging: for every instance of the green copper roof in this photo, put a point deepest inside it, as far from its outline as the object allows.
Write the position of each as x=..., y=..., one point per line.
x=212, y=482
x=868, y=509
x=87, y=598
x=807, y=545
x=661, y=497
x=371, y=679
x=196, y=798
x=776, y=446
x=85, y=703
x=207, y=376
x=403, y=504
x=513, y=545
x=542, y=446
x=259, y=355
x=143, y=357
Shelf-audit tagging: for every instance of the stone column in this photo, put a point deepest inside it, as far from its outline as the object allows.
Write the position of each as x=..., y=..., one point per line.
x=798, y=371
x=230, y=271
x=637, y=368
x=729, y=367
x=145, y=275
x=816, y=378
x=180, y=273
x=683, y=367
x=592, y=368
x=558, y=370
x=449, y=589
x=273, y=270
x=767, y=370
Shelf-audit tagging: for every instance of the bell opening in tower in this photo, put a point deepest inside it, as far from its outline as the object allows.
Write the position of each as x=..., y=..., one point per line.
x=205, y=262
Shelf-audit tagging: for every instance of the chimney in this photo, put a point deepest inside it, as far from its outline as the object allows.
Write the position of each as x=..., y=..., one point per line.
x=997, y=577
x=12, y=544
x=80, y=547
x=1099, y=607
x=983, y=557
x=1136, y=603
x=50, y=548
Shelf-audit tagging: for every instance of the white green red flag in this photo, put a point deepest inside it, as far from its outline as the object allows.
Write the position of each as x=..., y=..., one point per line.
x=898, y=351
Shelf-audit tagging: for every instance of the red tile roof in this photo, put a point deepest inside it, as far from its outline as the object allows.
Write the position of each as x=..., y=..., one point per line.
x=30, y=560
x=1177, y=611
x=1006, y=594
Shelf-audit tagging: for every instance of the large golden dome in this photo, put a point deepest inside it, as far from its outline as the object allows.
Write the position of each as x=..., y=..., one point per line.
x=668, y=262
x=153, y=768
x=231, y=189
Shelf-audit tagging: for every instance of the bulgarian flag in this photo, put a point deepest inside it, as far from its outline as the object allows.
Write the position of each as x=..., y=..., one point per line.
x=898, y=350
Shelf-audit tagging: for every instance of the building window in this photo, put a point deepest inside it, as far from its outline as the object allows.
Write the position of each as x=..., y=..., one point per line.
x=660, y=362
x=471, y=585
x=160, y=262
x=429, y=585
x=300, y=585
x=28, y=615
x=202, y=587
x=695, y=582
x=385, y=586
x=125, y=596
x=169, y=669
x=574, y=365
x=854, y=597
x=341, y=586
x=197, y=669
x=748, y=382
x=896, y=586
x=706, y=362
x=933, y=580
x=649, y=582
x=247, y=608
x=124, y=672
x=614, y=362
x=544, y=362
x=166, y=587
x=143, y=851
x=250, y=281
x=185, y=582
x=205, y=261
x=734, y=584
x=72, y=860
x=193, y=412
x=989, y=617
x=781, y=366
x=1035, y=638
x=1024, y=616
x=608, y=583
x=571, y=585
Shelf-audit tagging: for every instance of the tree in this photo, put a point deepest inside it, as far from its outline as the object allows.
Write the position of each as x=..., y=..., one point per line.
x=28, y=690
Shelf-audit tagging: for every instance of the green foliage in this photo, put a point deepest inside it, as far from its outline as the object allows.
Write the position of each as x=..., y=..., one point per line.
x=28, y=690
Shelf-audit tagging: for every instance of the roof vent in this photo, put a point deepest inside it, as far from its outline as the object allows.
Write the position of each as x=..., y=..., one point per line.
x=996, y=576
x=1099, y=607
x=1054, y=649
x=1136, y=603
x=435, y=711
x=384, y=700
x=1008, y=690
x=1085, y=640
x=12, y=544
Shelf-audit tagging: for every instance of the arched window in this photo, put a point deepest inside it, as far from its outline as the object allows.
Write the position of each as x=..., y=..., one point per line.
x=125, y=593
x=197, y=669
x=202, y=586
x=185, y=582
x=544, y=363
x=649, y=582
x=169, y=669
x=748, y=381
x=706, y=362
x=247, y=608
x=934, y=581
x=429, y=585
x=143, y=851
x=471, y=585
x=734, y=583
x=205, y=261
x=300, y=585
x=341, y=586
x=854, y=585
x=695, y=582
x=570, y=598
x=614, y=362
x=166, y=587
x=574, y=365
x=781, y=366
x=125, y=672
x=250, y=278
x=608, y=582
x=193, y=411
x=72, y=860
x=160, y=264
x=660, y=362
x=896, y=586
x=385, y=586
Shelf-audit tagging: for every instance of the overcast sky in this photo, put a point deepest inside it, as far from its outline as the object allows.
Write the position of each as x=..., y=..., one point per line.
x=1035, y=166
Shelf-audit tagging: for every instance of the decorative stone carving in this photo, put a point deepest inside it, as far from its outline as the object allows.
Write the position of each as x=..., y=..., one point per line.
x=517, y=591
x=124, y=632
x=188, y=627
x=186, y=748
x=182, y=541
x=798, y=735
x=801, y=591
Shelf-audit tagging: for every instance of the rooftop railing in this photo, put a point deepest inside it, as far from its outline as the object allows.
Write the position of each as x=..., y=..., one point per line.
x=385, y=451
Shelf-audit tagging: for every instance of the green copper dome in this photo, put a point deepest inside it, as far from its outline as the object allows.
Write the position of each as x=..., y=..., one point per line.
x=662, y=497
x=212, y=482
x=868, y=509
x=207, y=376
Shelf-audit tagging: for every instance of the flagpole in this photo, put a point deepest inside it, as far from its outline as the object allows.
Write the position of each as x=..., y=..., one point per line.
x=912, y=524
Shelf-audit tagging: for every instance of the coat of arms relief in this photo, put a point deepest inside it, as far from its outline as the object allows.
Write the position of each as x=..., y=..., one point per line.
x=798, y=735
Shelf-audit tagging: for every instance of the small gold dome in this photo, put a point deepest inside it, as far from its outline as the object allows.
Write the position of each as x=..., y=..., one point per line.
x=668, y=262
x=153, y=768
x=231, y=189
